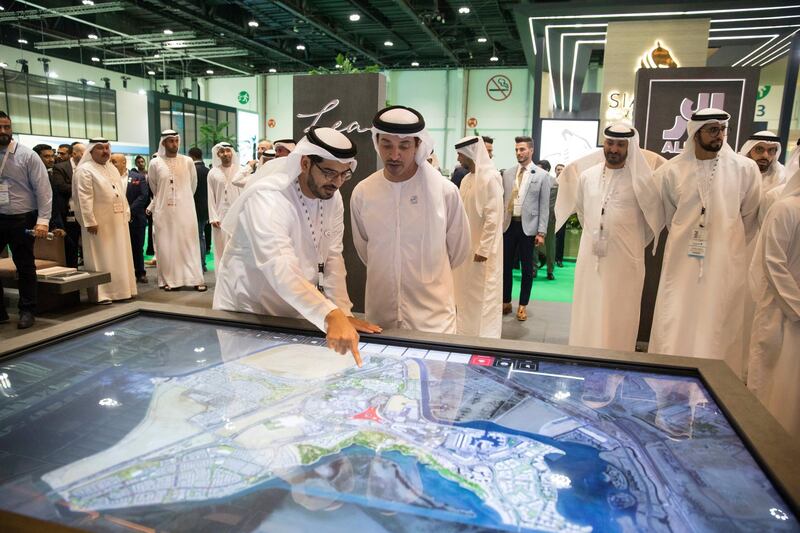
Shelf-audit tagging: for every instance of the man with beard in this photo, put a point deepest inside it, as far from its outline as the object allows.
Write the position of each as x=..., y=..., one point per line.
x=710, y=196
x=63, y=153
x=290, y=263
x=221, y=193
x=620, y=210
x=764, y=148
x=62, y=186
x=25, y=204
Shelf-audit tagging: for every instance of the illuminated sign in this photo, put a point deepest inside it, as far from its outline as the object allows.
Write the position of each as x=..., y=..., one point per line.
x=619, y=106
x=333, y=104
x=657, y=57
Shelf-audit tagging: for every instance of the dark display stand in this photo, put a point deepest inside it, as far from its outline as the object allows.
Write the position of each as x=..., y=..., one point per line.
x=347, y=103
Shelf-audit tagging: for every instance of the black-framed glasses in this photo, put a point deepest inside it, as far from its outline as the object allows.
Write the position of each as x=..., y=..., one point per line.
x=331, y=174
x=714, y=130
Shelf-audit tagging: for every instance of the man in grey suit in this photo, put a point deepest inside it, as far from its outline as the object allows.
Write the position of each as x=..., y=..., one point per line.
x=526, y=196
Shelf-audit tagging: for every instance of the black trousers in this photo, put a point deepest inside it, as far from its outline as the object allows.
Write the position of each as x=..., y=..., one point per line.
x=72, y=245
x=550, y=244
x=560, y=236
x=138, y=229
x=150, y=250
x=12, y=233
x=515, y=241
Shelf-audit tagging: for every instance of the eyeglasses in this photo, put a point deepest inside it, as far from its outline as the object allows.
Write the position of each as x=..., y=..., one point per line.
x=331, y=174
x=714, y=130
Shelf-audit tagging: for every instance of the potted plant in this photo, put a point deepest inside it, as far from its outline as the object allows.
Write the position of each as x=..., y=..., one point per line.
x=572, y=239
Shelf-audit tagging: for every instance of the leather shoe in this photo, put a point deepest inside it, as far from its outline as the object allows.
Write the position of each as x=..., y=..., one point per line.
x=560, y=264
x=26, y=320
x=141, y=279
x=507, y=309
x=550, y=276
x=3, y=316
x=522, y=314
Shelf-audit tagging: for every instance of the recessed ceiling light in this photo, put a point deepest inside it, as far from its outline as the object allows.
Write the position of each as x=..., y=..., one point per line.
x=301, y=47
x=168, y=32
x=151, y=72
x=463, y=10
x=95, y=59
x=494, y=58
x=52, y=74
x=415, y=63
x=253, y=24
x=209, y=71
x=272, y=71
x=92, y=36
x=22, y=41
x=156, y=56
x=87, y=2
x=388, y=43
x=90, y=82
x=355, y=17
x=482, y=39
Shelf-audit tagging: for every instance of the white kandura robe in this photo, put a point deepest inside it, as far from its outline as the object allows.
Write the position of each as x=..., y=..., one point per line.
x=175, y=236
x=774, y=364
x=608, y=290
x=703, y=316
x=479, y=286
x=410, y=265
x=270, y=263
x=98, y=188
x=221, y=194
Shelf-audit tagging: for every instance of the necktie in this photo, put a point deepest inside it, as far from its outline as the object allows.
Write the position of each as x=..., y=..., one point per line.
x=515, y=191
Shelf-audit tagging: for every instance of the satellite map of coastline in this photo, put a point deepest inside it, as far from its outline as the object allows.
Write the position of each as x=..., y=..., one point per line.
x=155, y=424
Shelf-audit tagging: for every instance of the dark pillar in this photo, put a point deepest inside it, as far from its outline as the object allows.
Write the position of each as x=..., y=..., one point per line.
x=788, y=95
x=536, y=125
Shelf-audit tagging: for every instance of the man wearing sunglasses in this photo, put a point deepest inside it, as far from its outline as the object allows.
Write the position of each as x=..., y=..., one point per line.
x=710, y=196
x=284, y=256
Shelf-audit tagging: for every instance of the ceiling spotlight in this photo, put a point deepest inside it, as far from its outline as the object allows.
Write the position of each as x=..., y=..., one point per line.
x=93, y=36
x=209, y=71
x=301, y=47
x=22, y=41
x=388, y=43
x=52, y=74
x=142, y=91
x=355, y=17
x=482, y=39
x=95, y=59
x=168, y=32
x=151, y=72
x=272, y=71
x=89, y=82
x=494, y=59
x=3, y=65
x=463, y=10
x=156, y=56
x=253, y=24
x=415, y=63
x=87, y=2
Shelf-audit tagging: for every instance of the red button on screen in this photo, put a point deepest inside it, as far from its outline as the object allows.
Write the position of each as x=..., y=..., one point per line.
x=482, y=360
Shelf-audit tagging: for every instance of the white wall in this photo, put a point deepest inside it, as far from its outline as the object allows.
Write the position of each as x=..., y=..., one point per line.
x=280, y=98
x=225, y=91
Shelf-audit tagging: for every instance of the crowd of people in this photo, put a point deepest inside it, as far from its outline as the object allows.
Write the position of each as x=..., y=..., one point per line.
x=439, y=253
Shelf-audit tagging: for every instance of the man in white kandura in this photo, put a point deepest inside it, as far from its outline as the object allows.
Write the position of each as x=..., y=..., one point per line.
x=764, y=148
x=409, y=229
x=710, y=196
x=290, y=263
x=173, y=179
x=774, y=364
x=479, y=280
x=221, y=193
x=101, y=208
x=619, y=207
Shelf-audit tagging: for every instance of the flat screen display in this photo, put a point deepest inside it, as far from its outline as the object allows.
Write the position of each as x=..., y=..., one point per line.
x=564, y=141
x=177, y=425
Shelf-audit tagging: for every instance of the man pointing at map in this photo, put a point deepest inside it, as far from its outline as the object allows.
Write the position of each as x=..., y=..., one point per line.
x=285, y=253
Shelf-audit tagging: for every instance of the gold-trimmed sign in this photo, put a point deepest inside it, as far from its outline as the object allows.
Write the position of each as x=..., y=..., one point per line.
x=658, y=57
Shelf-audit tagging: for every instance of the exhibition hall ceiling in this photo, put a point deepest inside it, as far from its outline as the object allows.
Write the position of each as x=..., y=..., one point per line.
x=223, y=38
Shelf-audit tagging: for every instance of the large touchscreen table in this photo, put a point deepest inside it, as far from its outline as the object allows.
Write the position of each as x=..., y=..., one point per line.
x=165, y=424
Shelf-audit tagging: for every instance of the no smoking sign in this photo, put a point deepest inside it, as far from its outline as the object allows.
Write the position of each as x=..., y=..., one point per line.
x=498, y=88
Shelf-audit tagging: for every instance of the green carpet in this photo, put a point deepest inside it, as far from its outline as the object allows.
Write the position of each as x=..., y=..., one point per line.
x=557, y=290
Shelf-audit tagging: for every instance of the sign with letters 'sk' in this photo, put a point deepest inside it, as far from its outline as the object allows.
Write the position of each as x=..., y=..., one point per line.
x=666, y=99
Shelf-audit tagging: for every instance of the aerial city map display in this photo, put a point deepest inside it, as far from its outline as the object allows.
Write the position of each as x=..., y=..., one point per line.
x=166, y=424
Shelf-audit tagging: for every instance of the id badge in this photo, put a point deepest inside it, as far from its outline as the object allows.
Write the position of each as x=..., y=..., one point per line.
x=5, y=199
x=698, y=242
x=600, y=242
x=171, y=197
x=118, y=207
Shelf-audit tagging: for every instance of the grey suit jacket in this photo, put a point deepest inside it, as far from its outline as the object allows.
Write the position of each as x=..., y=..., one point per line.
x=535, y=189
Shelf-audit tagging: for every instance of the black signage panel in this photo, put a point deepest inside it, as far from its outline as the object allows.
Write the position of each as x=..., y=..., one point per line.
x=347, y=102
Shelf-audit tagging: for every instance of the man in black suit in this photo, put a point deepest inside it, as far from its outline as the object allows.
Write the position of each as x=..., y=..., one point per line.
x=201, y=200
x=62, y=186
